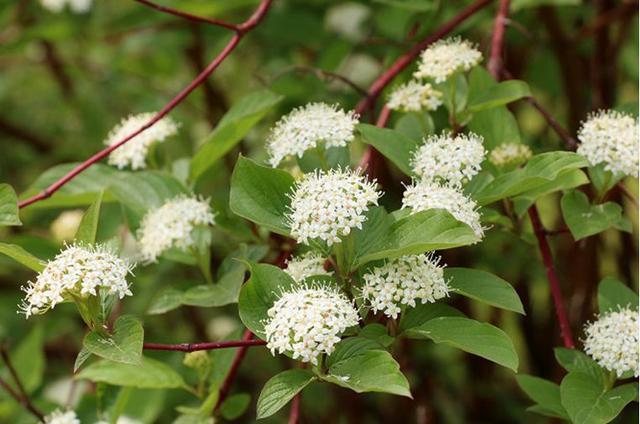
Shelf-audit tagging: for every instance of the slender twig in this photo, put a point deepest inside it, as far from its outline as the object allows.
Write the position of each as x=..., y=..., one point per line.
x=21, y=396
x=294, y=414
x=403, y=61
x=189, y=16
x=496, y=62
x=57, y=68
x=23, y=134
x=241, y=30
x=193, y=347
x=231, y=375
x=554, y=283
x=320, y=74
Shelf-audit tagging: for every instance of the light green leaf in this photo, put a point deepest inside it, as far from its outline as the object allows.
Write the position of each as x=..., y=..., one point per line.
x=124, y=345
x=233, y=126
x=497, y=126
x=588, y=402
x=258, y=294
x=280, y=389
x=565, y=181
x=168, y=300
x=475, y=337
x=415, y=317
x=485, y=287
x=9, y=214
x=88, y=227
x=613, y=295
x=394, y=145
x=369, y=371
x=20, y=255
x=574, y=360
x=585, y=219
x=149, y=374
x=499, y=95
x=383, y=237
x=223, y=292
x=259, y=194
x=545, y=393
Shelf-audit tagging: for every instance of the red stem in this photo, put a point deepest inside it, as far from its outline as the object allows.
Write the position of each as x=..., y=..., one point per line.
x=193, y=347
x=497, y=40
x=241, y=30
x=188, y=16
x=403, y=61
x=294, y=415
x=21, y=396
x=231, y=375
x=554, y=283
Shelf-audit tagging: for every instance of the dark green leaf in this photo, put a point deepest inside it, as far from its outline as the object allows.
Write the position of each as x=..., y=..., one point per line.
x=485, y=287
x=234, y=406
x=124, y=345
x=496, y=125
x=545, y=393
x=415, y=317
x=20, y=255
x=613, y=295
x=149, y=374
x=29, y=360
x=395, y=146
x=499, y=95
x=280, y=389
x=584, y=219
x=88, y=227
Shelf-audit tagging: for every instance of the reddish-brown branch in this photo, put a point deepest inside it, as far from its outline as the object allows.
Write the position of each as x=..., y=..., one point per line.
x=231, y=375
x=193, y=347
x=21, y=396
x=554, y=283
x=294, y=415
x=403, y=61
x=189, y=16
x=241, y=30
x=497, y=40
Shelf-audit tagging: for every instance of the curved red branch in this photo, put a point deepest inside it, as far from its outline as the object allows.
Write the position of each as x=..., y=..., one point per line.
x=241, y=30
x=189, y=16
x=231, y=375
x=497, y=40
x=193, y=347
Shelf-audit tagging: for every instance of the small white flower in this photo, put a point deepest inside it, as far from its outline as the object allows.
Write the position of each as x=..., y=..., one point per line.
x=446, y=57
x=414, y=96
x=64, y=227
x=425, y=195
x=328, y=205
x=172, y=225
x=612, y=341
x=403, y=281
x=77, y=6
x=510, y=154
x=611, y=138
x=306, y=127
x=60, y=417
x=306, y=265
x=450, y=159
x=78, y=271
x=308, y=321
x=134, y=152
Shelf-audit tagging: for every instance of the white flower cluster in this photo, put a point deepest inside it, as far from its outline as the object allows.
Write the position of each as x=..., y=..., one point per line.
x=171, y=225
x=512, y=154
x=414, y=96
x=78, y=271
x=611, y=138
x=308, y=322
x=134, y=152
x=306, y=127
x=403, y=281
x=328, y=205
x=76, y=6
x=450, y=159
x=446, y=57
x=425, y=195
x=306, y=265
x=60, y=417
x=612, y=341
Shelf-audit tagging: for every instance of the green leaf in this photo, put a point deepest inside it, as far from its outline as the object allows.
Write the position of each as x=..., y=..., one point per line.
x=378, y=333
x=350, y=347
x=168, y=300
x=234, y=406
x=475, y=337
x=259, y=194
x=394, y=145
x=29, y=360
x=280, y=389
x=584, y=219
x=88, y=227
x=258, y=294
x=545, y=393
x=484, y=287
x=574, y=360
x=565, y=181
x=613, y=295
x=540, y=170
x=383, y=237
x=149, y=374
x=369, y=371
x=125, y=345
x=415, y=317
x=603, y=180
x=9, y=214
x=497, y=126
x=20, y=255
x=499, y=95
x=588, y=402
x=233, y=126
x=223, y=292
